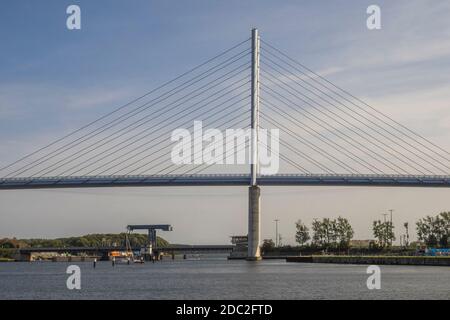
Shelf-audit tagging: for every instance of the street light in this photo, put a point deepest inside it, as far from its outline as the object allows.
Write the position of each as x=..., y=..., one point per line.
x=391, y=210
x=406, y=225
x=276, y=232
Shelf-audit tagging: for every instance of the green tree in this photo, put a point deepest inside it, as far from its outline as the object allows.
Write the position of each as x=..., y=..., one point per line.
x=383, y=232
x=302, y=235
x=267, y=245
x=344, y=232
x=332, y=233
x=434, y=231
x=323, y=232
x=378, y=232
x=319, y=233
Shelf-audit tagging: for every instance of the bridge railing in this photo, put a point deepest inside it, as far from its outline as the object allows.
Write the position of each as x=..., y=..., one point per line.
x=172, y=176
x=169, y=176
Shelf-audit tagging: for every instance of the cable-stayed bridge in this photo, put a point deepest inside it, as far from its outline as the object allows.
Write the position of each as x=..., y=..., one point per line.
x=226, y=180
x=327, y=135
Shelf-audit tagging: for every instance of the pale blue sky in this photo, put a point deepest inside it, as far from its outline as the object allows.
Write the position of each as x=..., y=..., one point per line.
x=53, y=80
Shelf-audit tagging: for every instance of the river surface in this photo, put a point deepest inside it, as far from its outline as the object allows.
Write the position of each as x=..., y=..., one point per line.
x=217, y=278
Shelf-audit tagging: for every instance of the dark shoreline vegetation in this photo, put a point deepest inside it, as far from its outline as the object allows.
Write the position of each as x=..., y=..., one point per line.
x=335, y=236
x=443, y=261
x=8, y=247
x=326, y=237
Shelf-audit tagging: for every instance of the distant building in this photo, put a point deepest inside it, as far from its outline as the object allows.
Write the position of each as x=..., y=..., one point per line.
x=241, y=247
x=239, y=240
x=360, y=243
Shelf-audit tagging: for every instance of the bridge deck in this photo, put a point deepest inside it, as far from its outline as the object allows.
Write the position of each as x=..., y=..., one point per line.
x=181, y=248
x=224, y=180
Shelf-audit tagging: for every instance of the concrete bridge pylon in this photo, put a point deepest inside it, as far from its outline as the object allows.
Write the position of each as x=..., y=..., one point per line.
x=254, y=200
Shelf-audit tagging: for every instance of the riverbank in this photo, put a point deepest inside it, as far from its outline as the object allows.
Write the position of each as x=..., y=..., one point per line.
x=377, y=260
x=218, y=279
x=6, y=260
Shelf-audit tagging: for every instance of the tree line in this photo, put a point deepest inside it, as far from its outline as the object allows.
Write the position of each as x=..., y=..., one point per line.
x=434, y=231
x=90, y=240
x=328, y=233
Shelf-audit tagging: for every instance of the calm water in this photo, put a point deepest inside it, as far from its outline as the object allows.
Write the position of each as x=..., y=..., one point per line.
x=221, y=279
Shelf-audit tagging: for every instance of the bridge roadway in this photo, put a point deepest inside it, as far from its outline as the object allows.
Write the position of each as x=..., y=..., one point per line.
x=181, y=248
x=224, y=180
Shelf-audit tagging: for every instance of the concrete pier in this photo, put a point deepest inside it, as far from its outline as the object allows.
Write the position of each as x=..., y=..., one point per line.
x=375, y=260
x=254, y=223
x=254, y=202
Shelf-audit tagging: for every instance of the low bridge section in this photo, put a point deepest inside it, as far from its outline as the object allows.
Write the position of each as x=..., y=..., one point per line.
x=25, y=253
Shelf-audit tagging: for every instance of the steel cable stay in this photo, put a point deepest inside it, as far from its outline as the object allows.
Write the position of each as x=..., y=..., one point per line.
x=78, y=143
x=136, y=110
x=400, y=159
x=159, y=157
x=104, y=129
x=293, y=106
x=302, y=126
x=330, y=136
x=154, y=130
x=311, y=146
x=127, y=104
x=269, y=148
x=194, y=154
x=234, y=153
x=324, y=126
x=304, y=156
x=163, y=110
x=162, y=123
x=199, y=168
x=353, y=117
x=398, y=124
x=162, y=148
x=352, y=125
x=292, y=163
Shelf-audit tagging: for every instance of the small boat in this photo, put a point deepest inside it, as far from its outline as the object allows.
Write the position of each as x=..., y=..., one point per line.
x=121, y=256
x=127, y=256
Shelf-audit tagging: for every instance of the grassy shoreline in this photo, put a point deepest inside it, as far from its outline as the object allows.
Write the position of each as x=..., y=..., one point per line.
x=6, y=260
x=376, y=260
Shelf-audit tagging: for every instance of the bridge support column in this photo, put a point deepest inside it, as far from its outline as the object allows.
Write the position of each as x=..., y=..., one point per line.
x=254, y=202
x=151, y=240
x=254, y=223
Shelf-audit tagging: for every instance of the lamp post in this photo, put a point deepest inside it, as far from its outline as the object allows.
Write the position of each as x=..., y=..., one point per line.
x=276, y=232
x=384, y=229
x=391, y=226
x=406, y=225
